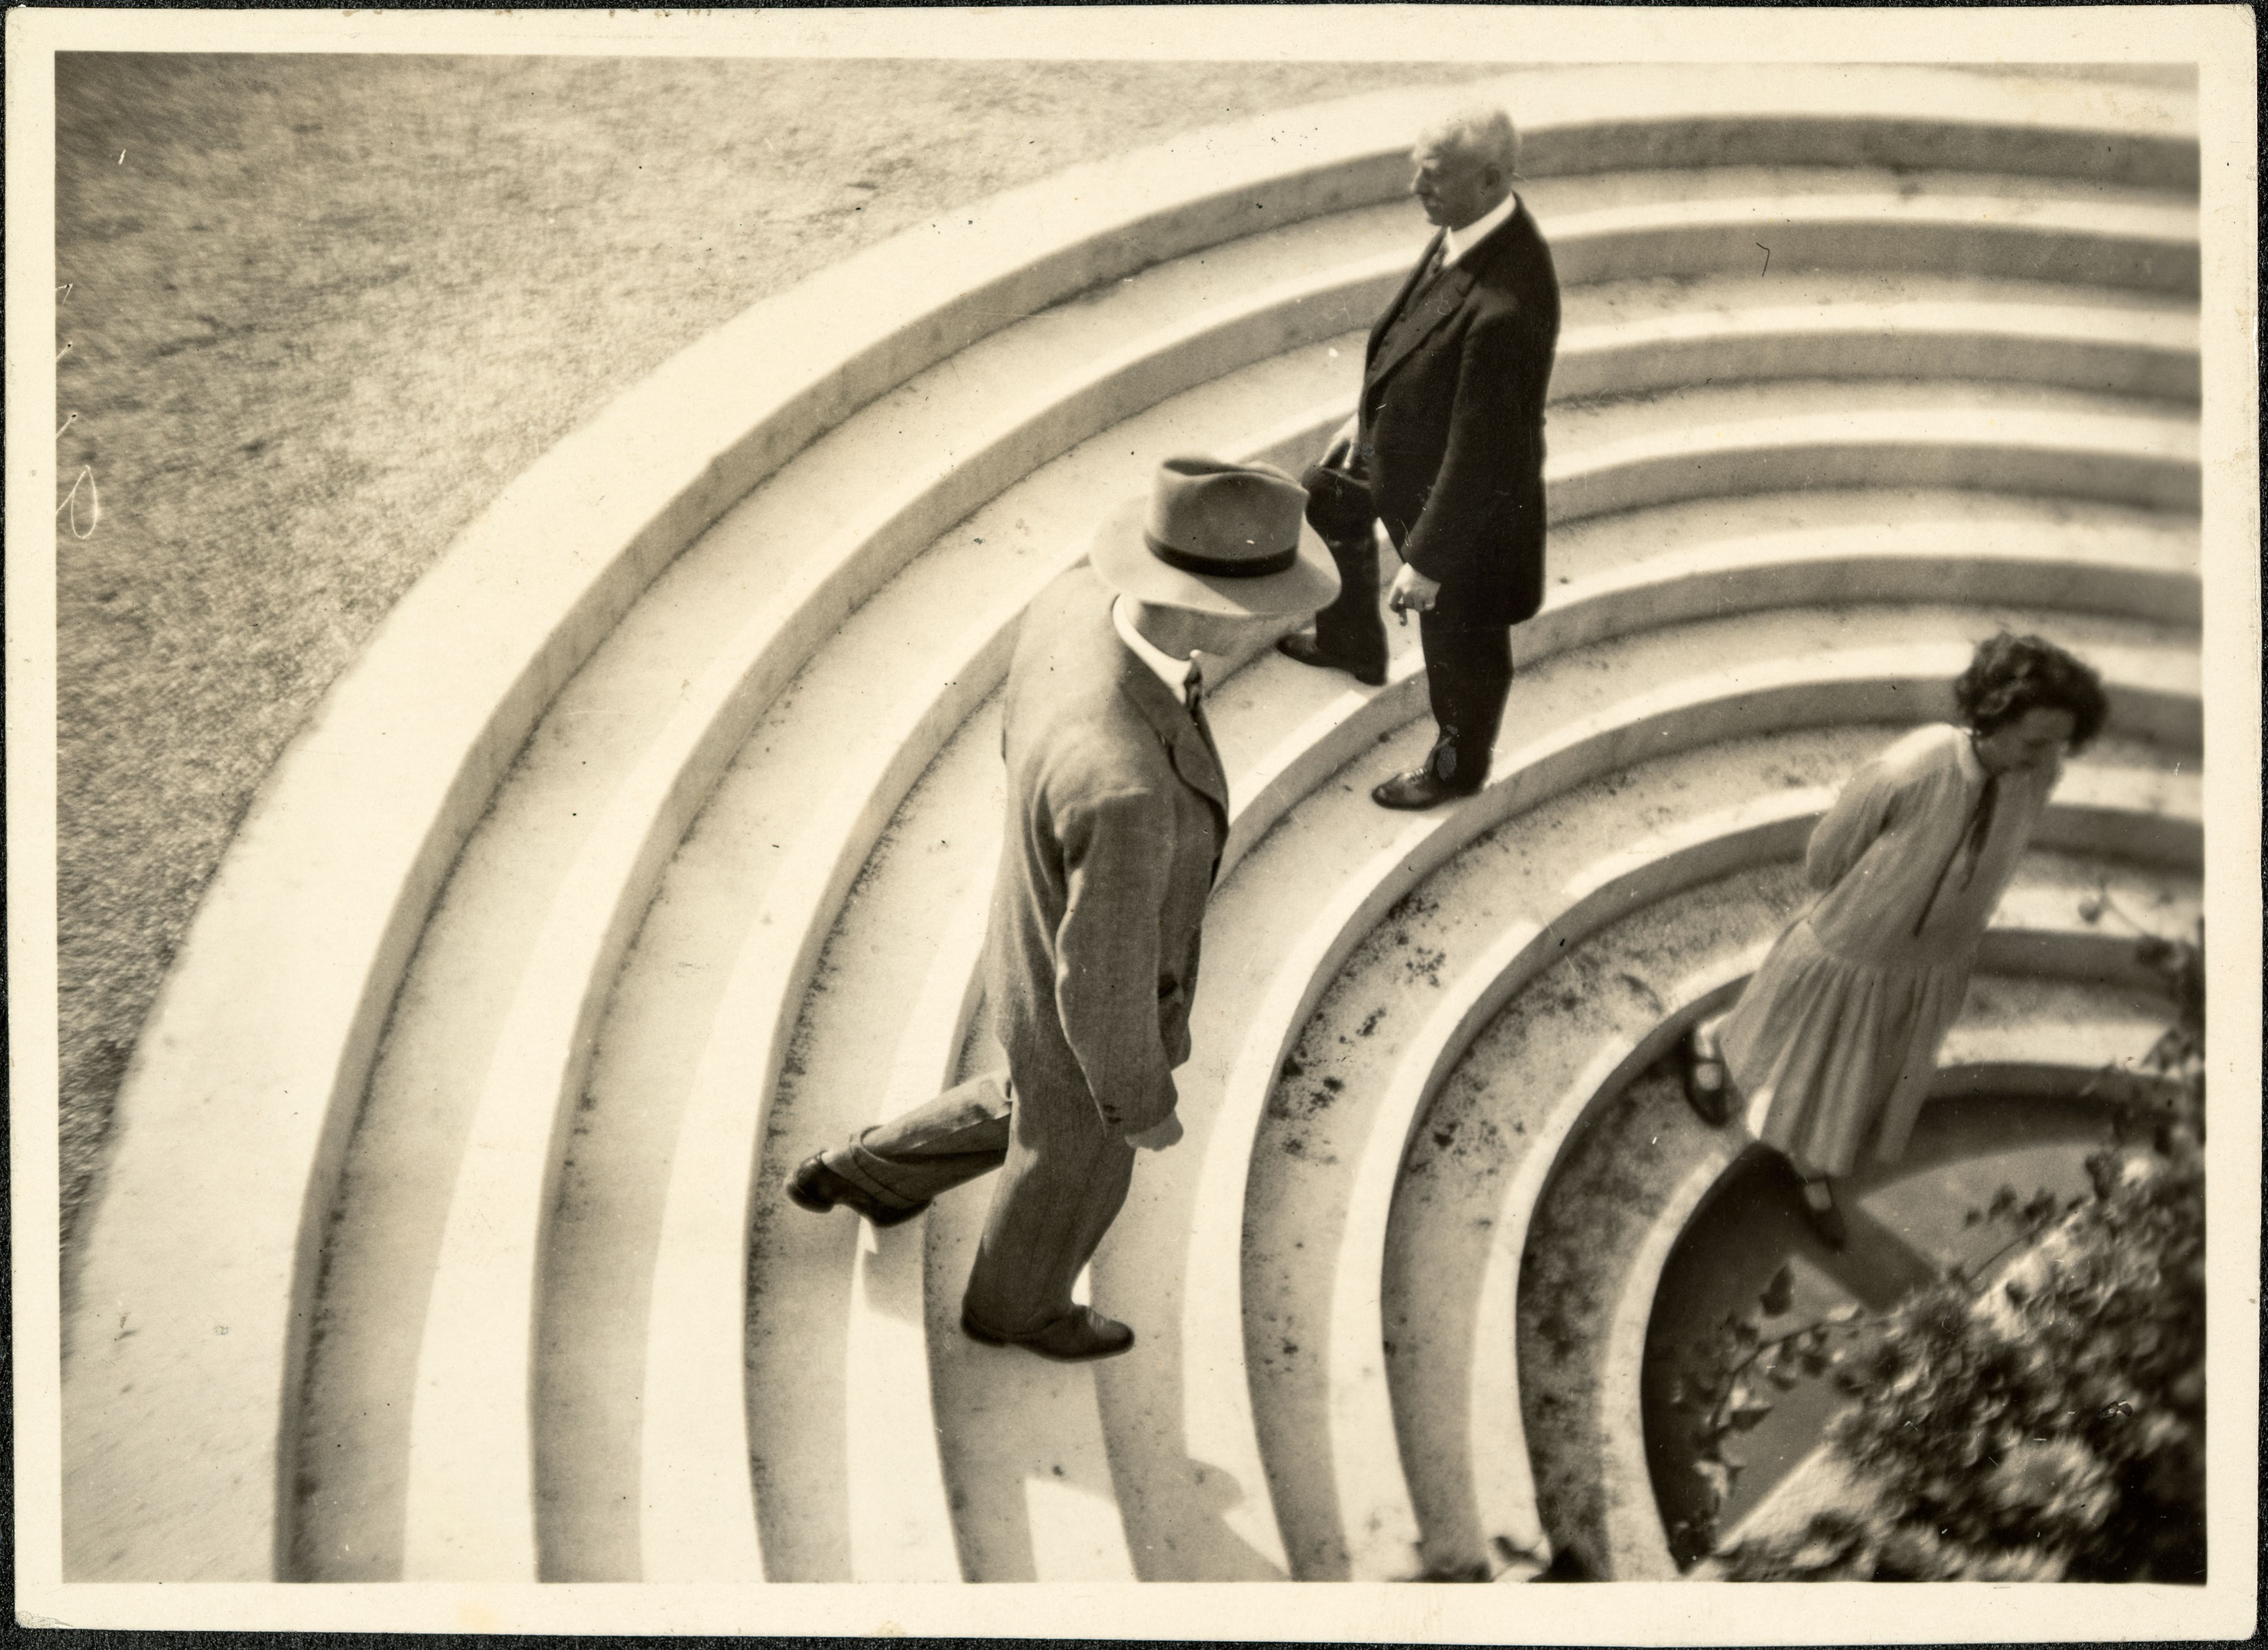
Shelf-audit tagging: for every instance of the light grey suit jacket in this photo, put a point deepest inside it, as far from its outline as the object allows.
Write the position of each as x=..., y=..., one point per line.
x=1117, y=809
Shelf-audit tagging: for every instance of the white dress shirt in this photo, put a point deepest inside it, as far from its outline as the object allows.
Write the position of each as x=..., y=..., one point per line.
x=1456, y=243
x=1175, y=673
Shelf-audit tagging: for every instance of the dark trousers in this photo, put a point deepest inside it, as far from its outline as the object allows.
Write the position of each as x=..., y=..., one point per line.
x=1062, y=1179
x=1468, y=677
x=1352, y=630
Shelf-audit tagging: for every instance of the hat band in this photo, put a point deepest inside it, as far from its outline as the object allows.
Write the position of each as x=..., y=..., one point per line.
x=1254, y=567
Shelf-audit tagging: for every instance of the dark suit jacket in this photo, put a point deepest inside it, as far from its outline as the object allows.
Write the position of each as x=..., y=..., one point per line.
x=1117, y=810
x=1452, y=433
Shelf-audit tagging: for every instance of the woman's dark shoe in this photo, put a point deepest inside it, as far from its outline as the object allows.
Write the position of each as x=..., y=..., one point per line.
x=1707, y=1089
x=1826, y=1218
x=815, y=1187
x=1083, y=1335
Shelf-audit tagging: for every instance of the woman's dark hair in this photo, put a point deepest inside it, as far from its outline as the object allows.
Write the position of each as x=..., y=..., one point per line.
x=2014, y=674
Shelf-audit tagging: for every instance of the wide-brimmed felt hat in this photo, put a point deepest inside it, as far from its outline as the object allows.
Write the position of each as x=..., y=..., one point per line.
x=1216, y=537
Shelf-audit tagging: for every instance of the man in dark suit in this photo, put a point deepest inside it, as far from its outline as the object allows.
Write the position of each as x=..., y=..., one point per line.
x=1117, y=809
x=1447, y=449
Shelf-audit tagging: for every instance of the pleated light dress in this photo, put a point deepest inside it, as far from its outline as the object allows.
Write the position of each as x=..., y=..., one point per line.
x=1834, y=1043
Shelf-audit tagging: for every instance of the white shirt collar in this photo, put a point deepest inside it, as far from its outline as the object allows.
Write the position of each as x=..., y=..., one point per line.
x=1175, y=673
x=1456, y=243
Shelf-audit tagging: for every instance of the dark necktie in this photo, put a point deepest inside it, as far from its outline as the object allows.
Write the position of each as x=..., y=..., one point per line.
x=1971, y=844
x=1193, y=700
x=1435, y=261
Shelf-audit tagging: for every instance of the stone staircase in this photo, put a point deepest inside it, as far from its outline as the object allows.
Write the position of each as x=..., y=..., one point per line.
x=646, y=852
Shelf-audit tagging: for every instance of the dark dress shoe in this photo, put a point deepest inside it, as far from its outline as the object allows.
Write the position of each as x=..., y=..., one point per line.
x=815, y=1187
x=1707, y=1089
x=1419, y=788
x=1082, y=1335
x=1820, y=1209
x=1306, y=650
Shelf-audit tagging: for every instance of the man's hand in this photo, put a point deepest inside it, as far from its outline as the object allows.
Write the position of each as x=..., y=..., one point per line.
x=1158, y=1135
x=1411, y=589
x=1342, y=443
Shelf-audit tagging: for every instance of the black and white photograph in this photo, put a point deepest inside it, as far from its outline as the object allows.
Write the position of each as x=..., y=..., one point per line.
x=1412, y=797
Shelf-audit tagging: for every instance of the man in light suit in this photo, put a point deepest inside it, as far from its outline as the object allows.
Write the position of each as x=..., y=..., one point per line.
x=1446, y=448
x=1117, y=810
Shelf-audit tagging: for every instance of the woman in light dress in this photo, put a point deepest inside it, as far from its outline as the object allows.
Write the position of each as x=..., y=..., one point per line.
x=1831, y=1050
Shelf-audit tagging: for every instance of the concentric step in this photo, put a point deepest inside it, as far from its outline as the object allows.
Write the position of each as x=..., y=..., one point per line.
x=1341, y=1131
x=1260, y=981
x=1240, y=719
x=523, y=1345
x=835, y=1071
x=1632, y=1182
x=514, y=1137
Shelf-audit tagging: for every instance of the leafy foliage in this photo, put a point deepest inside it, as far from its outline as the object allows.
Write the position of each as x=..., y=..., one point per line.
x=1730, y=1385
x=2049, y=1427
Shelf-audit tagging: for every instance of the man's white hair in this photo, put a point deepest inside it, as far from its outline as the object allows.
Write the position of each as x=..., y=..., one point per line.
x=1482, y=131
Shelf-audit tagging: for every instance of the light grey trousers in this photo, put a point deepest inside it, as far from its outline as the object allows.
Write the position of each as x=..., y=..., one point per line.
x=1062, y=1180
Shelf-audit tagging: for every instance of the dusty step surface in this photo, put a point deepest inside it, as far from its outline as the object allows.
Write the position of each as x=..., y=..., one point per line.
x=1010, y=523
x=2015, y=196
x=399, y=1182
x=2020, y=144
x=647, y=1097
x=781, y=516
x=1624, y=1190
x=1321, y=1117
x=1322, y=1137
x=1972, y=532
x=798, y=492
x=1999, y=437
x=716, y=898
x=1891, y=323
x=1454, y=1244
x=1159, y=1418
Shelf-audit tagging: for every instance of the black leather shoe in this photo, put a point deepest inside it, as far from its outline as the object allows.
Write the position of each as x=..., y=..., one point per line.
x=1418, y=789
x=1820, y=1209
x=1079, y=1337
x=1306, y=650
x=1707, y=1090
x=815, y=1187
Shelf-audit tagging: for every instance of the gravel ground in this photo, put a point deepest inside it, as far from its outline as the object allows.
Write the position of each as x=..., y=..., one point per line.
x=318, y=309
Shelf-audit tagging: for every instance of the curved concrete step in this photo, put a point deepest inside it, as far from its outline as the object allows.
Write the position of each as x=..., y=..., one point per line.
x=1261, y=988
x=716, y=923
x=549, y=572
x=523, y=952
x=1875, y=323
x=551, y=1018
x=1634, y=1179
x=1614, y=455
x=1141, y=1433
x=610, y=735
x=1237, y=719
x=1329, y=1155
x=1428, y=1202
x=499, y=919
